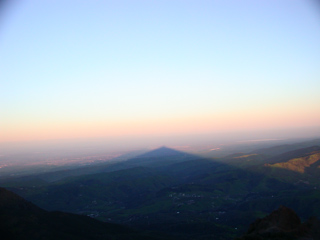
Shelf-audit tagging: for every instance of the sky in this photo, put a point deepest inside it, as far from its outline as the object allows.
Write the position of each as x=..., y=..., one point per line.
x=81, y=69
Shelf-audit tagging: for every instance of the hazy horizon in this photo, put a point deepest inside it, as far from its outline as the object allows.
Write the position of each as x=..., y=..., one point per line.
x=133, y=74
x=183, y=142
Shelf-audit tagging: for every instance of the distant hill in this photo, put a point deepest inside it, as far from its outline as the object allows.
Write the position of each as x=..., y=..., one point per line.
x=244, y=160
x=279, y=149
x=21, y=219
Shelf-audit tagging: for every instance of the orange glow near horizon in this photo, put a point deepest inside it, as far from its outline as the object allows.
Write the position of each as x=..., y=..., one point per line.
x=227, y=122
x=117, y=71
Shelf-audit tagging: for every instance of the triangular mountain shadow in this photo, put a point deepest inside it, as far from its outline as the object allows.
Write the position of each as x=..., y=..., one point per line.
x=161, y=156
x=156, y=157
x=162, y=152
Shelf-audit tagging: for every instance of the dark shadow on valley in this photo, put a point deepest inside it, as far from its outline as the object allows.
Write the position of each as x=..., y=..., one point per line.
x=184, y=195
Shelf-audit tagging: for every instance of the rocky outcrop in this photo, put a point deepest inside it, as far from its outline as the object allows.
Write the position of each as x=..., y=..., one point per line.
x=283, y=224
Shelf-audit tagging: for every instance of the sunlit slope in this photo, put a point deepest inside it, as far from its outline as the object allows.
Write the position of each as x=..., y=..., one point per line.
x=301, y=164
x=298, y=167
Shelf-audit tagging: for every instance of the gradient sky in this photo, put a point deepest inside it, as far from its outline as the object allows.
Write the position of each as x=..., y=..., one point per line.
x=87, y=69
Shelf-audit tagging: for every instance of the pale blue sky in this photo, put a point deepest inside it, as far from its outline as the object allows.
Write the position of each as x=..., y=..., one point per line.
x=113, y=64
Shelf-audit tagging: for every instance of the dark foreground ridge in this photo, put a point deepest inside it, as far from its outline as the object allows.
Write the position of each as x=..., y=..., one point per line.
x=283, y=224
x=21, y=219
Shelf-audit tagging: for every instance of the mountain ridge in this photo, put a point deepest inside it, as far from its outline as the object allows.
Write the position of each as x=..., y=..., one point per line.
x=279, y=149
